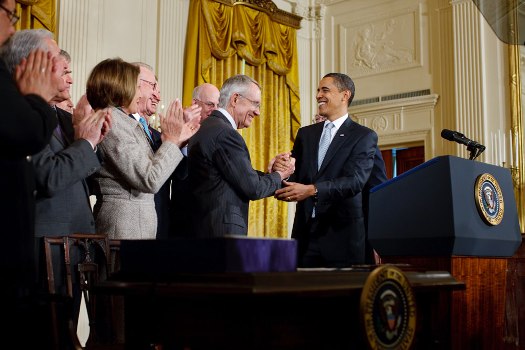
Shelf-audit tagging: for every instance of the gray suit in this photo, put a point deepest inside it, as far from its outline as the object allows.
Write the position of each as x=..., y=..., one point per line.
x=222, y=179
x=62, y=201
x=131, y=174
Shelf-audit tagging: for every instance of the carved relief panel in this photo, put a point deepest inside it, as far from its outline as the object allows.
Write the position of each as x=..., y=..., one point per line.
x=378, y=47
x=382, y=44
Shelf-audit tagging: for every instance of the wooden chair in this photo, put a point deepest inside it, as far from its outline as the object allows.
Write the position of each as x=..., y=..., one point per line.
x=62, y=325
x=88, y=258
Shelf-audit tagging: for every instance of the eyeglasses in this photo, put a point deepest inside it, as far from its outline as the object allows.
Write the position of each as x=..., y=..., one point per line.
x=254, y=103
x=209, y=104
x=11, y=15
x=152, y=84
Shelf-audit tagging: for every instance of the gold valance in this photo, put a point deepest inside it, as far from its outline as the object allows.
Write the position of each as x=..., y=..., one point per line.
x=248, y=32
x=270, y=9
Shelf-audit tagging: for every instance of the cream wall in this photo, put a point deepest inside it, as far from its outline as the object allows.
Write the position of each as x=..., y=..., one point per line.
x=151, y=31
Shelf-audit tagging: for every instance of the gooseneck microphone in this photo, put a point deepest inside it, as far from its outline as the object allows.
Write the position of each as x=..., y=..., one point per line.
x=475, y=148
x=456, y=136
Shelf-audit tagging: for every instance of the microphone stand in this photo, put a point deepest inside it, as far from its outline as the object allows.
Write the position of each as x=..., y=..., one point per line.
x=475, y=150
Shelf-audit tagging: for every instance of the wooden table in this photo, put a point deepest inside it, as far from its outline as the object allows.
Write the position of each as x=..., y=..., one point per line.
x=309, y=309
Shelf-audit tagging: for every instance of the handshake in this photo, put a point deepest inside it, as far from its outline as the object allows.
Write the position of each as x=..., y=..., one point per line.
x=284, y=164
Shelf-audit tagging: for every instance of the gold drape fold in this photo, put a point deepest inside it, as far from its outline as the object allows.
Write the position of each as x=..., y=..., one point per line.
x=226, y=39
x=36, y=14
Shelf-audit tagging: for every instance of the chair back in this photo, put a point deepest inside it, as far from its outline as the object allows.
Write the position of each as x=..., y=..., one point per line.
x=86, y=258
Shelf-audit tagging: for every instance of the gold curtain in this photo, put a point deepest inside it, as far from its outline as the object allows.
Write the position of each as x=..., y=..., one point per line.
x=225, y=38
x=36, y=14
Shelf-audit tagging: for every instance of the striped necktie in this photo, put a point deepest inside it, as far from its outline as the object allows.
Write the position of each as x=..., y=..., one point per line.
x=326, y=138
x=145, y=127
x=324, y=143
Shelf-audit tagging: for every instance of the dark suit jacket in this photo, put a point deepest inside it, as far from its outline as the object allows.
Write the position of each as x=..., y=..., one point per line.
x=181, y=196
x=222, y=179
x=162, y=197
x=339, y=221
x=27, y=125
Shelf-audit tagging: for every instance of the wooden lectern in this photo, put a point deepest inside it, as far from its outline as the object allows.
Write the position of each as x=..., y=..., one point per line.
x=460, y=216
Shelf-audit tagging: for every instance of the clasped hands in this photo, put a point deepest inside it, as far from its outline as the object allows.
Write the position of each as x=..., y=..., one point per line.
x=283, y=163
x=291, y=191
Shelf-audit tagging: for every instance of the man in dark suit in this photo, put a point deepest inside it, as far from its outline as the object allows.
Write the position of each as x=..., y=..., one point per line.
x=220, y=173
x=62, y=192
x=148, y=104
x=377, y=177
x=329, y=222
x=29, y=123
x=62, y=168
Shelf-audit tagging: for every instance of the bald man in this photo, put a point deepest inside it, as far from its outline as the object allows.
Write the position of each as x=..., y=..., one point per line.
x=207, y=97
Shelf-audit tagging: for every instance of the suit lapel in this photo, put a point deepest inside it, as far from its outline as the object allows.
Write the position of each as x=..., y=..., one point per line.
x=66, y=136
x=157, y=140
x=64, y=131
x=57, y=135
x=221, y=116
x=341, y=136
x=313, y=146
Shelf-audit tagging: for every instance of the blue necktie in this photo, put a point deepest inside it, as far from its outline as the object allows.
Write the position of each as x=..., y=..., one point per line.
x=324, y=143
x=326, y=137
x=145, y=127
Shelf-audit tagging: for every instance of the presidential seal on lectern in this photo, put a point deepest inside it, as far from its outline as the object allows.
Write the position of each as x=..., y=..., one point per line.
x=489, y=199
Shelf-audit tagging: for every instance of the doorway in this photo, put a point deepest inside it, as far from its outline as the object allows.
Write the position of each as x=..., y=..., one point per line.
x=399, y=160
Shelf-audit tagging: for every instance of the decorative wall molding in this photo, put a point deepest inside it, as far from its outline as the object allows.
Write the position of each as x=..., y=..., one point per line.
x=398, y=122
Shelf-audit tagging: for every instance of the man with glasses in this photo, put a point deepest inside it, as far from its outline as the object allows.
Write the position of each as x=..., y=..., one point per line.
x=207, y=96
x=222, y=180
x=13, y=18
x=147, y=107
x=148, y=104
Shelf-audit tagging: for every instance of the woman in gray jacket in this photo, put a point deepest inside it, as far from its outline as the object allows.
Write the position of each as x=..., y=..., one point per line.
x=131, y=172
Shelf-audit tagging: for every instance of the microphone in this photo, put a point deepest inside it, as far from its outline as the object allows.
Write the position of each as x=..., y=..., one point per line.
x=456, y=136
x=475, y=148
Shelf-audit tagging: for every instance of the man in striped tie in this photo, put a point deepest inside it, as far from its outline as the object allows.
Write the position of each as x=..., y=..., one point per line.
x=148, y=105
